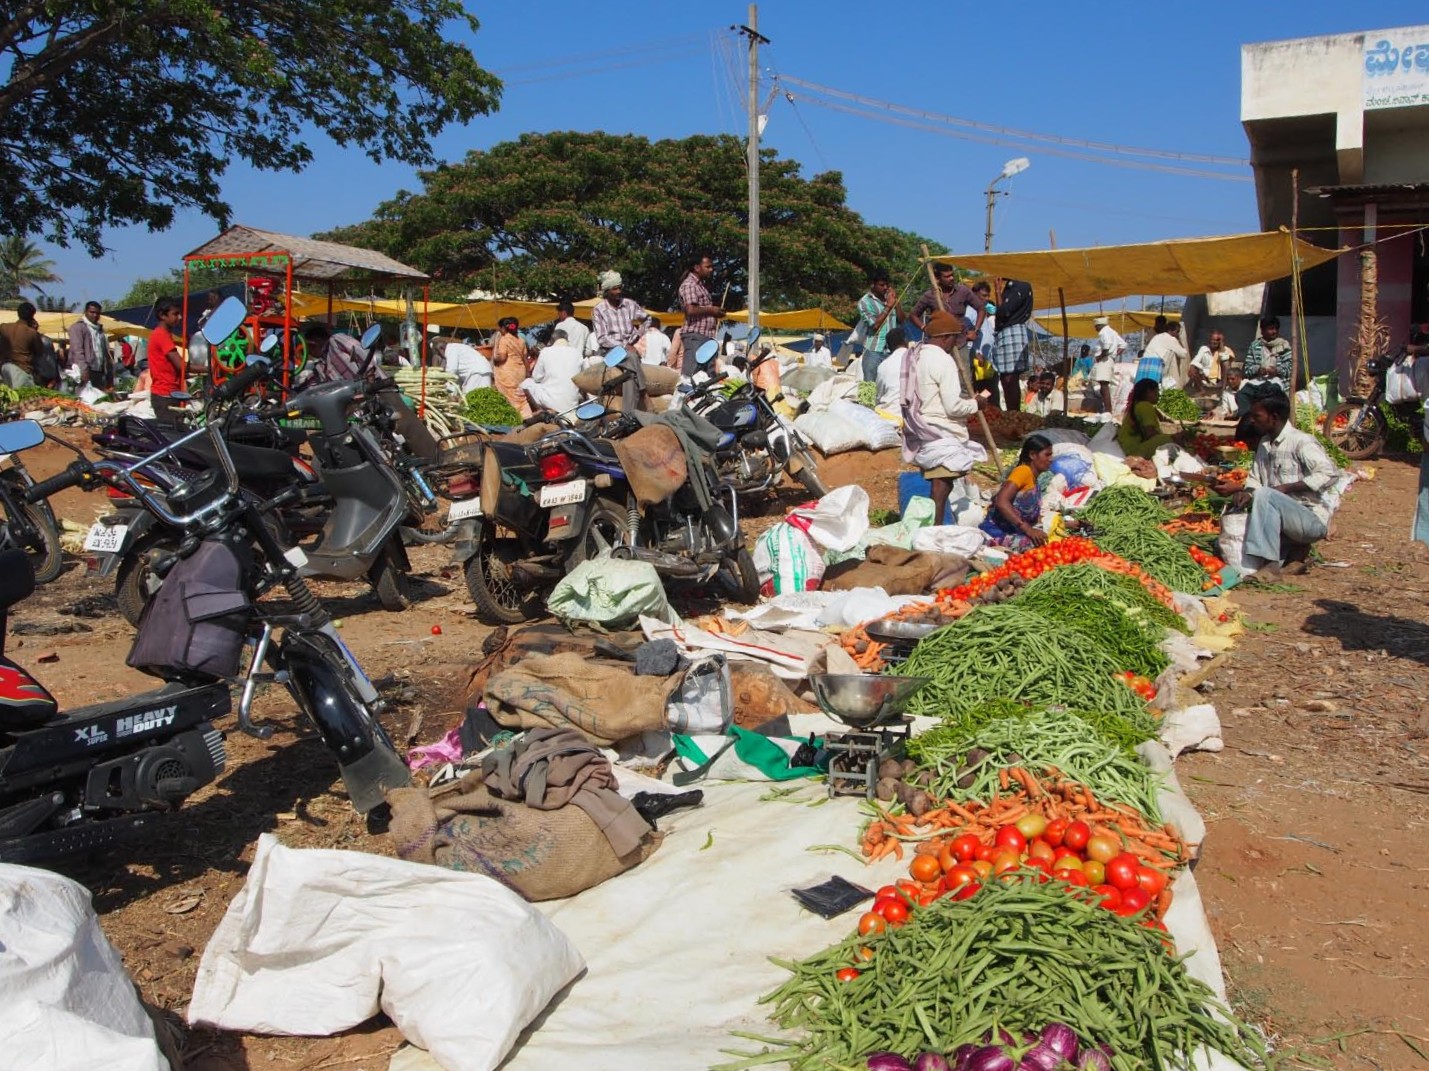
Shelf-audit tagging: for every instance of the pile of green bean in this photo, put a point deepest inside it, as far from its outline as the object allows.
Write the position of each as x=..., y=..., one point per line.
x=966, y=765
x=1003, y=651
x=1178, y=405
x=1124, y=503
x=1017, y=955
x=1074, y=581
x=1131, y=644
x=1155, y=551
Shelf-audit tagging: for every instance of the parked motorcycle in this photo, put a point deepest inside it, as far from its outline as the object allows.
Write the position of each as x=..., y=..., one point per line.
x=1357, y=425
x=542, y=508
x=764, y=446
x=27, y=526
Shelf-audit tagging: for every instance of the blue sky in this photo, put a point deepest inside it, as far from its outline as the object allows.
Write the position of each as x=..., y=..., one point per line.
x=1111, y=72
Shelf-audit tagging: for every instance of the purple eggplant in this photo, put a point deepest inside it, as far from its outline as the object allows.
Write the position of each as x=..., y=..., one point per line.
x=1062, y=1040
x=931, y=1061
x=1041, y=1057
x=962, y=1056
x=1095, y=1059
x=887, y=1061
x=991, y=1058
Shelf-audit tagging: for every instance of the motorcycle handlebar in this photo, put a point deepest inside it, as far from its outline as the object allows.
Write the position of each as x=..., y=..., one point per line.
x=236, y=386
x=76, y=473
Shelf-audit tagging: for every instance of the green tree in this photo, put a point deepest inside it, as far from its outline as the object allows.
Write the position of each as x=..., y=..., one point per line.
x=23, y=267
x=543, y=215
x=121, y=113
x=45, y=303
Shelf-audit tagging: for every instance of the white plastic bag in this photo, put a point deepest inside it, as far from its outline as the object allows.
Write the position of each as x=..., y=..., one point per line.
x=950, y=539
x=611, y=593
x=838, y=521
x=65, y=1002
x=831, y=434
x=1399, y=385
x=787, y=560
x=1104, y=442
x=1231, y=543
x=878, y=434
x=318, y=941
x=704, y=701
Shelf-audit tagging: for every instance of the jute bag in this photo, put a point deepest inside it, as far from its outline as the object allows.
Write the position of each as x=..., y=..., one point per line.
x=543, y=855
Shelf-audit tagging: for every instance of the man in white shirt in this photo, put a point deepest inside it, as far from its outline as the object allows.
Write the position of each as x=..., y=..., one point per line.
x=1044, y=398
x=890, y=373
x=1109, y=349
x=657, y=344
x=1212, y=361
x=466, y=362
x=936, y=412
x=1285, y=490
x=1165, y=346
x=551, y=384
x=577, y=333
x=820, y=356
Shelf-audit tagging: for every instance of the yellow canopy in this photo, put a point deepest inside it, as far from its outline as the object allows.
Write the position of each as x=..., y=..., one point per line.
x=794, y=320
x=1080, y=325
x=476, y=315
x=1179, y=266
x=57, y=325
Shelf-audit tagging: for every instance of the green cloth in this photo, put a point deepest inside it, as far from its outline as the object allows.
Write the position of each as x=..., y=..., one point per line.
x=1129, y=436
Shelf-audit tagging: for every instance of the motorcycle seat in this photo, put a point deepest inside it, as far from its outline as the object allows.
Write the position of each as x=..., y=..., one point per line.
x=17, y=578
x=252, y=462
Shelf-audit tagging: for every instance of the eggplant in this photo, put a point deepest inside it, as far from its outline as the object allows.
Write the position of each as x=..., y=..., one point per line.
x=1095, y=1060
x=962, y=1055
x=887, y=1061
x=990, y=1058
x=931, y=1061
x=1041, y=1057
x=1062, y=1040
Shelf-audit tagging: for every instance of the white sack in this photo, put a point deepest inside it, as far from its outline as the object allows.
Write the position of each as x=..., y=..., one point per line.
x=878, y=434
x=1104, y=442
x=839, y=520
x=787, y=560
x=65, y=1002
x=318, y=941
x=950, y=539
x=831, y=434
x=1399, y=385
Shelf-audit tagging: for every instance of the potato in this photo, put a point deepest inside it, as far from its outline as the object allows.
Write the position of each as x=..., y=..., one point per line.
x=909, y=767
x=925, y=778
x=886, y=789
x=890, y=769
x=920, y=804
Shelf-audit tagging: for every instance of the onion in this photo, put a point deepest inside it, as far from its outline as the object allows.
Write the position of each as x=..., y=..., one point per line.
x=990, y=1058
x=887, y=1061
x=1095, y=1060
x=1062, y=1040
x=931, y=1061
x=1041, y=1057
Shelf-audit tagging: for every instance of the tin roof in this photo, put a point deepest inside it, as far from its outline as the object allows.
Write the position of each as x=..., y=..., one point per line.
x=312, y=259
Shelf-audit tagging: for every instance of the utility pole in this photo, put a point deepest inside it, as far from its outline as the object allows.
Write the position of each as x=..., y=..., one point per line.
x=756, y=39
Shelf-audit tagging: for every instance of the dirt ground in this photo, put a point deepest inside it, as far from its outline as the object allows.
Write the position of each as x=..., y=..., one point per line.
x=1310, y=871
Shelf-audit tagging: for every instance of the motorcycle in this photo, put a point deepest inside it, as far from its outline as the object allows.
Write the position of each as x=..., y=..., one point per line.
x=544, y=507
x=1357, y=425
x=27, y=526
x=763, y=446
x=211, y=608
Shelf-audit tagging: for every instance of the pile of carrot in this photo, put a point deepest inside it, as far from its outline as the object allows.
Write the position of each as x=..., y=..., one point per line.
x=1204, y=527
x=867, y=652
x=1159, y=591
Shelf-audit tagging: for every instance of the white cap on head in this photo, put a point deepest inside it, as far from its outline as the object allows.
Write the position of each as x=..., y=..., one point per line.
x=1100, y=321
x=609, y=280
x=819, y=338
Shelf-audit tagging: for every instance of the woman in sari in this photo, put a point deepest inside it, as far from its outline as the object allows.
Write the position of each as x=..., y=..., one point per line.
x=1016, y=511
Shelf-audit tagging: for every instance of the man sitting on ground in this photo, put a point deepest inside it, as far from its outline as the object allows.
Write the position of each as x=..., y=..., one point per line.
x=1285, y=490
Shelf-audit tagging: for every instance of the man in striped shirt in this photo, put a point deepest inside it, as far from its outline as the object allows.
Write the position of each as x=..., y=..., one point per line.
x=615, y=318
x=702, y=315
x=878, y=313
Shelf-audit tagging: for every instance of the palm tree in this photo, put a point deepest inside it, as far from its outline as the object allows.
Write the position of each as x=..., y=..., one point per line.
x=23, y=267
x=45, y=303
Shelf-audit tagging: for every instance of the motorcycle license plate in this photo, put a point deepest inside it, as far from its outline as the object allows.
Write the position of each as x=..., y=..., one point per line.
x=460, y=511
x=106, y=538
x=562, y=494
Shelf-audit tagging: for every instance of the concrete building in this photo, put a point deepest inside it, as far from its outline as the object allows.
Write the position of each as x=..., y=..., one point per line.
x=1351, y=113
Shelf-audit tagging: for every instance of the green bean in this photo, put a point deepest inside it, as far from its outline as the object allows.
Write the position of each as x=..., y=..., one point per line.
x=1124, y=503
x=1155, y=551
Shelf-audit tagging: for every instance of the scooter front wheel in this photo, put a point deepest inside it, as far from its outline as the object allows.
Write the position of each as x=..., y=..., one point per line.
x=390, y=581
x=32, y=528
x=808, y=473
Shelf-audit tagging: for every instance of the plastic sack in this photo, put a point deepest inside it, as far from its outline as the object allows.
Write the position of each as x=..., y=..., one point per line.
x=787, y=560
x=704, y=701
x=318, y=941
x=878, y=434
x=66, y=1003
x=1399, y=385
x=1064, y=436
x=610, y=593
x=838, y=521
x=829, y=433
x=1104, y=442
x=1231, y=544
x=950, y=539
x=1077, y=471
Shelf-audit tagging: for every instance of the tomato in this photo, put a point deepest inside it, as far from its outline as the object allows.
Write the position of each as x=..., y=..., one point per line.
x=1031, y=825
x=1103, y=849
x=1005, y=864
x=1038, y=864
x=966, y=847
x=968, y=891
x=983, y=868
x=1040, y=849
x=1135, y=899
x=871, y=922
x=1011, y=837
x=1071, y=877
x=958, y=877
x=895, y=912
x=1076, y=835
x=1121, y=872
x=927, y=896
x=1110, y=896
x=1054, y=831
x=1068, y=858
x=887, y=892
x=1151, y=880
x=985, y=852
x=947, y=858
x=1095, y=872
x=865, y=953
x=848, y=974
x=909, y=890
x=925, y=868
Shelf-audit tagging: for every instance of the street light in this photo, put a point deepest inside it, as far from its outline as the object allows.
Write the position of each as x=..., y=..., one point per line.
x=1012, y=167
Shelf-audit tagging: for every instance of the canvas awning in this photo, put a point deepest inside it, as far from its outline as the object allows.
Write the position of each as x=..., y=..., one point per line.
x=1080, y=323
x=473, y=315
x=1179, y=266
x=57, y=325
x=312, y=259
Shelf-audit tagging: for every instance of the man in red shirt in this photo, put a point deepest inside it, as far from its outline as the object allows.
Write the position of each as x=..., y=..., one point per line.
x=166, y=362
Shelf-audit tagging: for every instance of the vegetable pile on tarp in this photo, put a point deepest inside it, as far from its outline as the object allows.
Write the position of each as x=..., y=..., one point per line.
x=1016, y=957
x=1091, y=580
x=488, y=407
x=1178, y=405
x=1123, y=503
x=1156, y=552
x=1007, y=652
x=1131, y=644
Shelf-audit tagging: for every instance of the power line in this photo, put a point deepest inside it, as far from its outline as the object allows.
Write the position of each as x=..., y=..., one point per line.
x=606, y=68
x=1010, y=132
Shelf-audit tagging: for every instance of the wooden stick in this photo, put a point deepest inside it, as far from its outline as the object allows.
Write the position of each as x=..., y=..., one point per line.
x=1066, y=353
x=963, y=371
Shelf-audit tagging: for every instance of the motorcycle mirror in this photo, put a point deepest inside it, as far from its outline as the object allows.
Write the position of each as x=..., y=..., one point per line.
x=371, y=336
x=17, y=435
x=754, y=333
x=614, y=357
x=590, y=411
x=225, y=320
x=706, y=353
x=735, y=332
x=270, y=340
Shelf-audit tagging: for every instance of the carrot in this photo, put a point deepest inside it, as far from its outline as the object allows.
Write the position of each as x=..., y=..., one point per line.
x=1003, y=778
x=898, y=851
x=962, y=812
x=1012, y=814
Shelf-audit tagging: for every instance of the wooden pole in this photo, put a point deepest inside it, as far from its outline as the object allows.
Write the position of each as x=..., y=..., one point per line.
x=964, y=373
x=1066, y=340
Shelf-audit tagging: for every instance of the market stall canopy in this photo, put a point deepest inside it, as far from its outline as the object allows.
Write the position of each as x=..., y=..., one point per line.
x=57, y=325
x=312, y=259
x=475, y=315
x=1179, y=266
x=794, y=320
x=1080, y=324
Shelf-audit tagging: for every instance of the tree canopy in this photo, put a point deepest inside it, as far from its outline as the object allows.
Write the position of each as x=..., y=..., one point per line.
x=542, y=216
x=121, y=113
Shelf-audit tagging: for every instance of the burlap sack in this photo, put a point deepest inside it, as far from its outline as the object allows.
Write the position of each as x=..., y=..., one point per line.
x=605, y=700
x=897, y=571
x=543, y=855
x=659, y=380
x=654, y=462
x=539, y=639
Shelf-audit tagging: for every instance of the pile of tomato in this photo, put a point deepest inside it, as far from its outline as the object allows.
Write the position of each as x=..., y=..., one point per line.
x=1144, y=687
x=1029, y=565
x=1063, y=851
x=1211, y=564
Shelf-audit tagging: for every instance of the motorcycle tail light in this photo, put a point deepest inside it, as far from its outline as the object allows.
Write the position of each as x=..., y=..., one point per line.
x=114, y=492
x=461, y=486
x=557, y=466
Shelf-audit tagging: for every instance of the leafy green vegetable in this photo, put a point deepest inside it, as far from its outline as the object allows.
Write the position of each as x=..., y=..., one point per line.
x=488, y=406
x=1178, y=405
